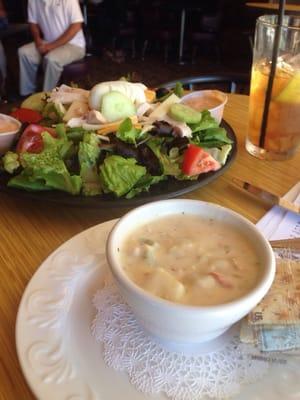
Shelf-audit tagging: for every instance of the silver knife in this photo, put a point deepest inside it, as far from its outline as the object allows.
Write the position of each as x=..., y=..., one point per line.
x=286, y=243
x=266, y=196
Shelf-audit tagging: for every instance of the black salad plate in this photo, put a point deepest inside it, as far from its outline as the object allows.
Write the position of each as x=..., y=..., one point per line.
x=162, y=190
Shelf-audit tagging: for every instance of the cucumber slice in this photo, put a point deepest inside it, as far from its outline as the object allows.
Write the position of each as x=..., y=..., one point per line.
x=116, y=106
x=183, y=113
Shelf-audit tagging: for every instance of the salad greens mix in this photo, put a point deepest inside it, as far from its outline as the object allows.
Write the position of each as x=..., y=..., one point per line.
x=123, y=163
x=78, y=161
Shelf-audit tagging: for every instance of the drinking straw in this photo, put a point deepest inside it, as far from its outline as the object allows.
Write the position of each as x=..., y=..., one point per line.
x=272, y=73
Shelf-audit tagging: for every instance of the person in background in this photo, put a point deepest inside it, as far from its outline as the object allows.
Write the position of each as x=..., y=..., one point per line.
x=56, y=27
x=3, y=25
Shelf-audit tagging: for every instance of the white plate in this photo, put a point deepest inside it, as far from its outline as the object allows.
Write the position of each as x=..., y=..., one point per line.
x=60, y=358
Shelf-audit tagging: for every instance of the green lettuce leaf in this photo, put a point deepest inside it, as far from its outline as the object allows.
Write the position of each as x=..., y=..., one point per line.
x=54, y=112
x=178, y=89
x=10, y=162
x=127, y=132
x=119, y=175
x=88, y=154
x=143, y=185
x=61, y=131
x=48, y=167
x=61, y=144
x=213, y=137
x=170, y=165
x=75, y=134
x=28, y=182
x=207, y=122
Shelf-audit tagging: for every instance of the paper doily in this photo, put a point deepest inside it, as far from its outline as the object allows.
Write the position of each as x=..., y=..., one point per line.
x=153, y=369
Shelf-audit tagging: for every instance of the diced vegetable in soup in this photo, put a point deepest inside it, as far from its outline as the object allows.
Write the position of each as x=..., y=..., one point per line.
x=191, y=260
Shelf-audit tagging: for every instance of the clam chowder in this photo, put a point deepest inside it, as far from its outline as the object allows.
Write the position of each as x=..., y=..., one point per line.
x=191, y=260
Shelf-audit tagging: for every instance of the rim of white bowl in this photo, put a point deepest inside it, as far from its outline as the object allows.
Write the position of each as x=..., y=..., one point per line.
x=12, y=119
x=202, y=92
x=262, y=286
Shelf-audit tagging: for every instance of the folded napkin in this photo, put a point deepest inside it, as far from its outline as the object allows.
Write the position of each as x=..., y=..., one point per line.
x=274, y=324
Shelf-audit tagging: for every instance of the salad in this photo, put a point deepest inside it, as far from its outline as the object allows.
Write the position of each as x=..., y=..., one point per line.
x=119, y=138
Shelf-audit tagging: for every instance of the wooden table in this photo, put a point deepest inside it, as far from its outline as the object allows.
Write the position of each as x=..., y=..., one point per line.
x=275, y=6
x=31, y=231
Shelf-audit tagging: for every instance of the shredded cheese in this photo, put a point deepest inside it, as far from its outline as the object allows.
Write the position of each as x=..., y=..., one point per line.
x=113, y=126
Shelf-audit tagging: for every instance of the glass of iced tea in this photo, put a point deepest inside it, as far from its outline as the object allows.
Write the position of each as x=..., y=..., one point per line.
x=278, y=137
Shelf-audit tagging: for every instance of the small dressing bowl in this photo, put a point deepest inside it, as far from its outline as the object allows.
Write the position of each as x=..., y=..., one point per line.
x=9, y=129
x=212, y=100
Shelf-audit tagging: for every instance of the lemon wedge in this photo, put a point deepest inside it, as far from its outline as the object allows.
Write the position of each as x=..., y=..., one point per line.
x=291, y=93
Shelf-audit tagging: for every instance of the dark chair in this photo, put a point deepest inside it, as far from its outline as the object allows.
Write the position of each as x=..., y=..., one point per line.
x=1, y=86
x=231, y=83
x=126, y=33
x=13, y=30
x=2, y=79
x=77, y=70
x=158, y=28
x=207, y=32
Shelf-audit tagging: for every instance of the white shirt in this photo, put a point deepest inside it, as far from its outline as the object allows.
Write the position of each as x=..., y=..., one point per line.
x=54, y=17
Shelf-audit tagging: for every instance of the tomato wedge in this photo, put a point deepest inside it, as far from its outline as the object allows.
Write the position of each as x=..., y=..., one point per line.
x=27, y=115
x=197, y=161
x=31, y=139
